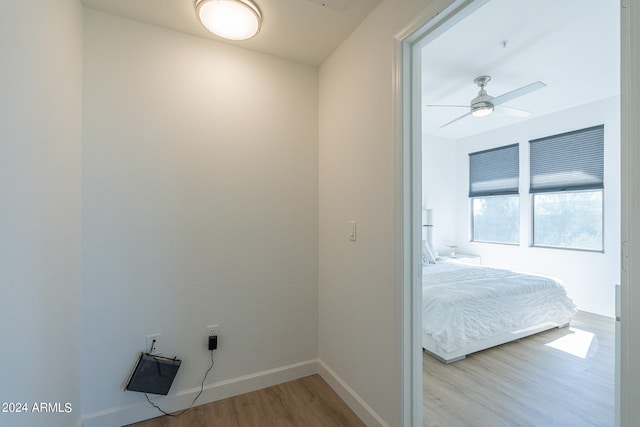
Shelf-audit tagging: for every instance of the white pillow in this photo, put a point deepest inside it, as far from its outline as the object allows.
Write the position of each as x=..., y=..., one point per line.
x=427, y=255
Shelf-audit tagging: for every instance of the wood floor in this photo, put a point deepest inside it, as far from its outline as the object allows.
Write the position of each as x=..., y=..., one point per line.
x=308, y=401
x=528, y=382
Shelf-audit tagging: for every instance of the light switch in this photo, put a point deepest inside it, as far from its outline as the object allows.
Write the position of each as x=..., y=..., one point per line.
x=352, y=231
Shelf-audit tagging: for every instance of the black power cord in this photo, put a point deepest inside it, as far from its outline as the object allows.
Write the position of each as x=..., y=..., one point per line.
x=177, y=414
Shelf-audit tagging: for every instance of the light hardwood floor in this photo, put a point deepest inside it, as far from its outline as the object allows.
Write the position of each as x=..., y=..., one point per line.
x=305, y=402
x=528, y=382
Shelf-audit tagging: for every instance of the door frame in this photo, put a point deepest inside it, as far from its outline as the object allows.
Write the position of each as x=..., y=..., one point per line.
x=431, y=22
x=628, y=388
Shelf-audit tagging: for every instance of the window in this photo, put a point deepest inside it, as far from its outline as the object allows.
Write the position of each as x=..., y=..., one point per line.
x=496, y=219
x=494, y=193
x=567, y=185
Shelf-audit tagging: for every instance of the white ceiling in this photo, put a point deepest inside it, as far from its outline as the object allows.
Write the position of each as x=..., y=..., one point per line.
x=571, y=45
x=301, y=30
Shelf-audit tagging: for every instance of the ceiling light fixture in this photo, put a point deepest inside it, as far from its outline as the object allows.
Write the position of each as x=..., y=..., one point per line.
x=481, y=109
x=230, y=19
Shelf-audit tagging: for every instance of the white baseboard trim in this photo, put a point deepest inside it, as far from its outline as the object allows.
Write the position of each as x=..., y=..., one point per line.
x=118, y=416
x=351, y=398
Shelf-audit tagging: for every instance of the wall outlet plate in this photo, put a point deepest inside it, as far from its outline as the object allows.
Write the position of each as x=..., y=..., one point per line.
x=213, y=330
x=153, y=347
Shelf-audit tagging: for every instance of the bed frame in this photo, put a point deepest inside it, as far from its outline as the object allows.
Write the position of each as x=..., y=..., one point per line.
x=432, y=348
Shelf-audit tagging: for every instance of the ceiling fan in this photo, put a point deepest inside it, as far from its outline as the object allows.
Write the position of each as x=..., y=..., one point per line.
x=484, y=104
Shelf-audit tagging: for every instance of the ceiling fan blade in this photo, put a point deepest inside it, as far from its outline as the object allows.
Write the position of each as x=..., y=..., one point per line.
x=515, y=112
x=448, y=105
x=506, y=97
x=456, y=119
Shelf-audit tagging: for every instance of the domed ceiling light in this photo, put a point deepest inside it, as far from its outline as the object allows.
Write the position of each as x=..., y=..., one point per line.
x=230, y=19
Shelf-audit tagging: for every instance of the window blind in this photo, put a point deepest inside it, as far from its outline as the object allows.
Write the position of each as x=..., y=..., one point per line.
x=494, y=172
x=568, y=162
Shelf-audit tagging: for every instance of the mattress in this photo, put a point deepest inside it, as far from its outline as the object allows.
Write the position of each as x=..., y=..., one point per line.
x=465, y=303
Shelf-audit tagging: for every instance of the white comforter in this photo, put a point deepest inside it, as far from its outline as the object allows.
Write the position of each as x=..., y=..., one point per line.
x=463, y=303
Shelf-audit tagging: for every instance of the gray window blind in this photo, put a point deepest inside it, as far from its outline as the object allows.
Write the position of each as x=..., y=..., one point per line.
x=568, y=162
x=494, y=172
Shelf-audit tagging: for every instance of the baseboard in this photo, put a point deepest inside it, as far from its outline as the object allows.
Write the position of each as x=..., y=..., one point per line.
x=351, y=398
x=119, y=416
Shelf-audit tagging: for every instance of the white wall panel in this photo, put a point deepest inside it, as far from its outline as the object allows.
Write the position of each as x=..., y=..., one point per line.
x=200, y=207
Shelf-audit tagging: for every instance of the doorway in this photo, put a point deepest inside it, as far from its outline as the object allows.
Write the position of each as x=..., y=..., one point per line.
x=454, y=14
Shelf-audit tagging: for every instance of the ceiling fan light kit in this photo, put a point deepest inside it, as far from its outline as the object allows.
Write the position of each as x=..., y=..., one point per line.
x=481, y=105
x=230, y=19
x=482, y=111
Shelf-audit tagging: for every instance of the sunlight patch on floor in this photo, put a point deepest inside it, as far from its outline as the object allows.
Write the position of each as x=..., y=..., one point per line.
x=578, y=343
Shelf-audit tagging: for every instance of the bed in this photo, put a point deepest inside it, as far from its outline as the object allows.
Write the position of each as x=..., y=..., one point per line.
x=468, y=308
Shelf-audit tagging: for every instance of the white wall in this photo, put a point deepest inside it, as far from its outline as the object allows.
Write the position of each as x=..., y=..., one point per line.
x=439, y=189
x=200, y=205
x=359, y=321
x=40, y=148
x=589, y=276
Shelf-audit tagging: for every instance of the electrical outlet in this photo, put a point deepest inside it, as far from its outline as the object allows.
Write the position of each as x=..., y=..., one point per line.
x=213, y=330
x=154, y=342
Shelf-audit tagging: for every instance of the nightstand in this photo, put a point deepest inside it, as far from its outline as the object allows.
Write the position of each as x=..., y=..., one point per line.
x=462, y=259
